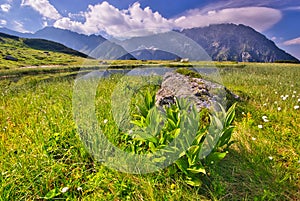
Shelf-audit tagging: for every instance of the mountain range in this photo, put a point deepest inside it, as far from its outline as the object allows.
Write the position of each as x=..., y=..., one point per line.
x=222, y=42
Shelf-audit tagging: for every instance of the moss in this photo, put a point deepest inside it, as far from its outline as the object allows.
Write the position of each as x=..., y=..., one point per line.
x=188, y=72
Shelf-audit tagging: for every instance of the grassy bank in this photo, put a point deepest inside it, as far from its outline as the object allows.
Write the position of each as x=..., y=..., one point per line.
x=41, y=153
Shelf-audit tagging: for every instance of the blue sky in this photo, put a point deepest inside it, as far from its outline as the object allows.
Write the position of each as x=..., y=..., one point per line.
x=277, y=19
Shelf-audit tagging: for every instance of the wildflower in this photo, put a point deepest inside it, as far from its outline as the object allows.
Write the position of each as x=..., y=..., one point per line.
x=270, y=157
x=79, y=188
x=130, y=132
x=285, y=97
x=296, y=107
x=105, y=121
x=293, y=96
x=276, y=92
x=279, y=108
x=265, y=104
x=65, y=189
x=294, y=92
x=292, y=85
x=298, y=99
x=253, y=138
x=275, y=102
x=260, y=126
x=265, y=118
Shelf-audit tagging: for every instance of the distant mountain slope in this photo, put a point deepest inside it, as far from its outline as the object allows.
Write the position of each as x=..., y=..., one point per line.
x=15, y=51
x=153, y=54
x=70, y=39
x=223, y=42
x=236, y=43
x=94, y=46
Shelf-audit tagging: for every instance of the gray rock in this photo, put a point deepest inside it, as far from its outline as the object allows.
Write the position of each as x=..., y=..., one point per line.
x=11, y=58
x=201, y=92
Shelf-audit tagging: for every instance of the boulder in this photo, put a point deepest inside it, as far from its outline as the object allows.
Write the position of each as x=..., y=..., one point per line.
x=11, y=58
x=201, y=92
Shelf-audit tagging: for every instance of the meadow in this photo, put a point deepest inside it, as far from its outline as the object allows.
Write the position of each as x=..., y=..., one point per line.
x=42, y=156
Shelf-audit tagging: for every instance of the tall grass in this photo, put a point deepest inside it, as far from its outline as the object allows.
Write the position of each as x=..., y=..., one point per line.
x=41, y=152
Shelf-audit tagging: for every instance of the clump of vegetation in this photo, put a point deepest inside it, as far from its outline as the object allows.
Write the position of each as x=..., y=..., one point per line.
x=151, y=135
x=188, y=72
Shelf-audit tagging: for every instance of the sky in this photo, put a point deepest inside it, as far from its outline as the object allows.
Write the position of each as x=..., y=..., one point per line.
x=279, y=20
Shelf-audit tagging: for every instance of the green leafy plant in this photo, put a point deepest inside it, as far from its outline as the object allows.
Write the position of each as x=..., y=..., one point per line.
x=154, y=130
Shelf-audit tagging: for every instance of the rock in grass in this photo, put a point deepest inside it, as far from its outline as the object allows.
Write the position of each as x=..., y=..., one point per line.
x=11, y=58
x=201, y=92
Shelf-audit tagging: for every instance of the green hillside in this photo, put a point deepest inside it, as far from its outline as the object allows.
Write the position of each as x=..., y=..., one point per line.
x=19, y=52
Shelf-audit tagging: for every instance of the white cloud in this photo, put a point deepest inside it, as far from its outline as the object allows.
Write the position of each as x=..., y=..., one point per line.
x=259, y=18
x=295, y=41
x=18, y=26
x=3, y=22
x=118, y=23
x=137, y=21
x=5, y=7
x=292, y=8
x=43, y=7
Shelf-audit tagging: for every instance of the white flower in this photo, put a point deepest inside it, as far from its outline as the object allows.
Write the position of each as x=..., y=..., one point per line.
x=130, y=132
x=292, y=85
x=65, y=189
x=296, y=107
x=105, y=121
x=279, y=108
x=293, y=96
x=299, y=100
x=294, y=92
x=265, y=118
x=253, y=138
x=276, y=92
x=265, y=104
x=270, y=157
x=275, y=102
x=79, y=188
x=260, y=126
x=284, y=97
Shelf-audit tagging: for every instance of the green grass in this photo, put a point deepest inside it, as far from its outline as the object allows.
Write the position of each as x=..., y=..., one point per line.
x=41, y=153
x=35, y=52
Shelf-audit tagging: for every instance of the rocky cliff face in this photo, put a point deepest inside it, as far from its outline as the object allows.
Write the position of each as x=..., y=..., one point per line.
x=230, y=42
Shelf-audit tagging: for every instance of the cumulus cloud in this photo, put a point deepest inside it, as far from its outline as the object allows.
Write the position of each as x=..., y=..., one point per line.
x=118, y=23
x=260, y=18
x=5, y=7
x=43, y=7
x=295, y=41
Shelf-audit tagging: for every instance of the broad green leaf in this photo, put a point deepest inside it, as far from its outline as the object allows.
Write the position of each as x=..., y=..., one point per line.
x=196, y=170
x=215, y=157
x=52, y=194
x=193, y=181
x=159, y=160
x=230, y=115
x=182, y=164
x=152, y=146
